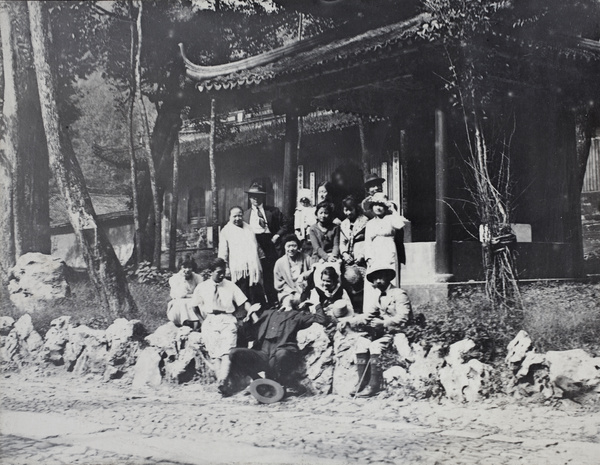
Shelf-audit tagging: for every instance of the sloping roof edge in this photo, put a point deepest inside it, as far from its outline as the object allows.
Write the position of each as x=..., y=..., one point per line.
x=307, y=52
x=326, y=48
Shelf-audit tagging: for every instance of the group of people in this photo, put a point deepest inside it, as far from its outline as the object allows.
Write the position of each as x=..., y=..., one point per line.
x=338, y=267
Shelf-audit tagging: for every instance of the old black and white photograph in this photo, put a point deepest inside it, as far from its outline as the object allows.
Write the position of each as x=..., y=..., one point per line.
x=300, y=232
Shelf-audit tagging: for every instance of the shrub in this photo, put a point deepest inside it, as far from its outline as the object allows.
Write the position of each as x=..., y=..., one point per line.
x=557, y=316
x=470, y=316
x=145, y=273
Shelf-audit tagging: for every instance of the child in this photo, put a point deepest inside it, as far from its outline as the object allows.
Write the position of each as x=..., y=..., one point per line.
x=304, y=217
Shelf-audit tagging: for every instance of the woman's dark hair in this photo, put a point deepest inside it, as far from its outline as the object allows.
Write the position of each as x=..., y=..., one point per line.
x=330, y=272
x=217, y=263
x=290, y=238
x=326, y=205
x=328, y=187
x=187, y=264
x=351, y=202
x=325, y=184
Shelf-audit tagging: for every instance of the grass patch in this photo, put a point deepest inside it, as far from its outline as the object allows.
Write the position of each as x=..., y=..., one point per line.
x=83, y=305
x=561, y=316
x=557, y=316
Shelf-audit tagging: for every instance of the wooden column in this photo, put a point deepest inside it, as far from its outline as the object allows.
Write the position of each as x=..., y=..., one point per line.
x=290, y=164
x=574, y=228
x=443, y=234
x=173, y=212
x=213, y=173
x=364, y=153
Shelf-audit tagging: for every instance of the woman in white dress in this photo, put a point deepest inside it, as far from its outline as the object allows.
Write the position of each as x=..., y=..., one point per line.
x=379, y=233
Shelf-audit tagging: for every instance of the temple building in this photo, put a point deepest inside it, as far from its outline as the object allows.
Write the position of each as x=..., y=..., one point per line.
x=378, y=99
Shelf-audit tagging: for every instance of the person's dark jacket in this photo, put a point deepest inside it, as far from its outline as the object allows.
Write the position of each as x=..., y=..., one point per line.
x=275, y=329
x=275, y=220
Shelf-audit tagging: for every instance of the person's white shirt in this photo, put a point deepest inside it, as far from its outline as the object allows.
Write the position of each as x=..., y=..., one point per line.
x=255, y=220
x=227, y=297
x=181, y=287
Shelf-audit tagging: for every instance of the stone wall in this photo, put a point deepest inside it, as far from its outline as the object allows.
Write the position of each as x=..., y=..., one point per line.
x=177, y=355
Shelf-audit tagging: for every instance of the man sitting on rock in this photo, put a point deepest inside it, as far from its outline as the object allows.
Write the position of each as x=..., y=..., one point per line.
x=182, y=310
x=275, y=350
x=222, y=305
x=387, y=311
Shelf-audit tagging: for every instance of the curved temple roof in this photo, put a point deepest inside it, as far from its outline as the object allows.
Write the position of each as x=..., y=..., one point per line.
x=320, y=53
x=299, y=56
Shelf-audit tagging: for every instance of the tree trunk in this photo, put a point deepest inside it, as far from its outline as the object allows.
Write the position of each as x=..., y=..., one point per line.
x=25, y=218
x=103, y=266
x=8, y=155
x=32, y=206
x=174, y=206
x=164, y=135
x=135, y=52
x=213, y=173
x=156, y=196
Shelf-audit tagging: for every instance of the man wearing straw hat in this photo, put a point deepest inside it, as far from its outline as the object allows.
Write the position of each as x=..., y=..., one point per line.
x=268, y=226
x=387, y=310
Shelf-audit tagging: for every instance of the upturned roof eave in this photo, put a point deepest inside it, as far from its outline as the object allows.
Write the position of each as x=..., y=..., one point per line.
x=306, y=53
x=328, y=53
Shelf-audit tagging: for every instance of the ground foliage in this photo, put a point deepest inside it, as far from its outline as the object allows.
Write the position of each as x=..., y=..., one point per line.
x=465, y=317
x=146, y=273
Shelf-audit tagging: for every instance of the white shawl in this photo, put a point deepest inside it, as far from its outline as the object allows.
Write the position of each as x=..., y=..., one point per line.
x=238, y=247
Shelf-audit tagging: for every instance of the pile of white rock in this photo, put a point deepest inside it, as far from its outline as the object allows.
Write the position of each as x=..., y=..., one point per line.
x=463, y=377
x=571, y=374
x=122, y=351
x=177, y=355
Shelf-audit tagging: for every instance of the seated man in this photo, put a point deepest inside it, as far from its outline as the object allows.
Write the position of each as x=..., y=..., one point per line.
x=387, y=311
x=221, y=303
x=181, y=310
x=275, y=350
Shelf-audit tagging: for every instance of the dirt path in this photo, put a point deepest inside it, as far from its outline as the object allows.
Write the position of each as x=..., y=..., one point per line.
x=63, y=419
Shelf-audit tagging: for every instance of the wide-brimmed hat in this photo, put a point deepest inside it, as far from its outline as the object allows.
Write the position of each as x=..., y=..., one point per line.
x=257, y=189
x=372, y=178
x=380, y=267
x=378, y=197
x=267, y=391
x=339, y=308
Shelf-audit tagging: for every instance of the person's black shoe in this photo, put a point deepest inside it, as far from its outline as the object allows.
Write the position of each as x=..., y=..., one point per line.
x=225, y=388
